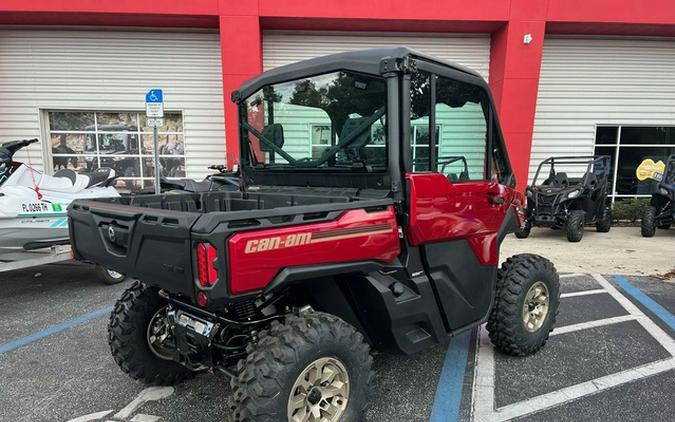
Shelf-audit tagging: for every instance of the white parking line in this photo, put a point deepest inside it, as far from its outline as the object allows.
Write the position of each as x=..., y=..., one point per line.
x=581, y=390
x=149, y=394
x=482, y=399
x=572, y=275
x=592, y=324
x=583, y=293
x=145, y=418
x=92, y=416
x=657, y=332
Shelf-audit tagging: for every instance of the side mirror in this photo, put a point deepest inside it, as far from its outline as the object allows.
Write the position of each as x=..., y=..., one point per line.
x=275, y=133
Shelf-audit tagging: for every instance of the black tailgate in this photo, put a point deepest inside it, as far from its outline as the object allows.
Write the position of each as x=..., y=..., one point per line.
x=152, y=245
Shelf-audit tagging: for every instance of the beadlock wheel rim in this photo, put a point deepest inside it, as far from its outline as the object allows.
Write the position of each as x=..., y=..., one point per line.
x=535, y=306
x=158, y=332
x=320, y=393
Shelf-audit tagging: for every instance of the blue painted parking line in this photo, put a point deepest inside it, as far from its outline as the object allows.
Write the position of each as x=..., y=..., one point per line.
x=646, y=301
x=449, y=390
x=7, y=347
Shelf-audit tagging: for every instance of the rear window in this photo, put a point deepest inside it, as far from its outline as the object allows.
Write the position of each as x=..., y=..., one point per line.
x=331, y=121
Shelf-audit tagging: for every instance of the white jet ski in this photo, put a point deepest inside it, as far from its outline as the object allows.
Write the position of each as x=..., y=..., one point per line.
x=33, y=205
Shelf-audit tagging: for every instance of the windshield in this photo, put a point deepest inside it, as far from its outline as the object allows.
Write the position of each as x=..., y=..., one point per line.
x=331, y=121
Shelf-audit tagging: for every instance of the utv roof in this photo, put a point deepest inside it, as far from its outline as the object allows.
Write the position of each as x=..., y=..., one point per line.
x=363, y=61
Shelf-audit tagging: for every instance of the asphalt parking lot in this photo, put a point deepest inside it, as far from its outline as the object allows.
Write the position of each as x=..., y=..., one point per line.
x=612, y=357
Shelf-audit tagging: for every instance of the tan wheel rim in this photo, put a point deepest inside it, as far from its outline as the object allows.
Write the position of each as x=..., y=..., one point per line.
x=320, y=393
x=535, y=307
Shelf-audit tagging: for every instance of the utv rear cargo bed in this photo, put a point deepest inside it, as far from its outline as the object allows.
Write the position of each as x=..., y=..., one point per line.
x=152, y=238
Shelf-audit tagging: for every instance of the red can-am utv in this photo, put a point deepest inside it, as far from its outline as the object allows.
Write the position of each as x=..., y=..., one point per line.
x=376, y=192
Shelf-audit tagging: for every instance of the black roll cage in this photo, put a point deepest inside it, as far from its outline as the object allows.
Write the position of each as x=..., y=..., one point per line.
x=590, y=160
x=669, y=171
x=395, y=65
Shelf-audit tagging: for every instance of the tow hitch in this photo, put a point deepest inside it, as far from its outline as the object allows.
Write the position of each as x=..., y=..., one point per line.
x=193, y=337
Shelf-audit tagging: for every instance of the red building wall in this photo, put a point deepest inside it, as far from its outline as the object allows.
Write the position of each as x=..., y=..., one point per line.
x=514, y=65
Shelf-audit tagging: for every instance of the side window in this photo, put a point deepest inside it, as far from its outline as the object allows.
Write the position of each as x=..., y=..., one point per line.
x=461, y=111
x=499, y=167
x=420, y=109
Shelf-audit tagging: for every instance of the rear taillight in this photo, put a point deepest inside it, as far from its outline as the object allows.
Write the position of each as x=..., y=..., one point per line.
x=206, y=271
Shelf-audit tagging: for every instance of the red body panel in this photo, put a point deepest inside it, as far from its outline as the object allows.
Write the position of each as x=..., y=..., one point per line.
x=441, y=210
x=255, y=257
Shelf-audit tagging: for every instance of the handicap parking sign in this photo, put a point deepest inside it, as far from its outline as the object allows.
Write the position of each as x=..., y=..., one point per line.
x=154, y=96
x=154, y=103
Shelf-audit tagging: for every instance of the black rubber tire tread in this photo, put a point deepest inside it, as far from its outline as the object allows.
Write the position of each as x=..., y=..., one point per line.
x=505, y=325
x=127, y=331
x=524, y=233
x=283, y=350
x=647, y=225
x=106, y=278
x=604, y=222
x=574, y=228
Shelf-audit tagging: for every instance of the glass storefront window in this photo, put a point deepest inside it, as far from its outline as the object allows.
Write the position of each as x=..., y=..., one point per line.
x=87, y=140
x=629, y=159
x=607, y=135
x=629, y=146
x=637, y=135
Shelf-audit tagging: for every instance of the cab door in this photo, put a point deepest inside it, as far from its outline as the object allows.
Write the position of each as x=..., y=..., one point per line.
x=459, y=198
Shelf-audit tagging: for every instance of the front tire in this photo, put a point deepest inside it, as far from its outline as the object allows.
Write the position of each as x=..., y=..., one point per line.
x=575, y=225
x=647, y=225
x=526, y=305
x=604, y=222
x=524, y=232
x=129, y=333
x=312, y=363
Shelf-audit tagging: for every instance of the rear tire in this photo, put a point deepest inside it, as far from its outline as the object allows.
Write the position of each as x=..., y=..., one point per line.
x=108, y=276
x=279, y=367
x=575, y=225
x=518, y=277
x=524, y=232
x=647, y=225
x=128, y=338
x=604, y=222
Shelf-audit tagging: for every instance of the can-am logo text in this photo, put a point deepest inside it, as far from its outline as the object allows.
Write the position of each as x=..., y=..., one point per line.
x=277, y=242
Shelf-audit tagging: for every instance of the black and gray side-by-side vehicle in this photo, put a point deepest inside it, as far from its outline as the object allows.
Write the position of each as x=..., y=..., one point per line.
x=661, y=209
x=566, y=202
x=349, y=233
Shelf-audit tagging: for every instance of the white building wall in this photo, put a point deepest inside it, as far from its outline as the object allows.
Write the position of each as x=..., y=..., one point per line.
x=280, y=47
x=111, y=70
x=586, y=82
